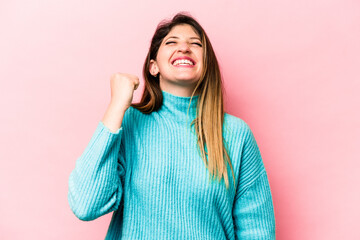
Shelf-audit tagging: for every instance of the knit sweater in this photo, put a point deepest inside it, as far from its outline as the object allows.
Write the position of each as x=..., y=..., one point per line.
x=150, y=174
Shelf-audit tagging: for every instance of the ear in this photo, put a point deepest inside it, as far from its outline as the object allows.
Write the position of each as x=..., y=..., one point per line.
x=153, y=68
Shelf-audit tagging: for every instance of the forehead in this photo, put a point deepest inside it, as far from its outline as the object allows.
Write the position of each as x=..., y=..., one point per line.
x=182, y=31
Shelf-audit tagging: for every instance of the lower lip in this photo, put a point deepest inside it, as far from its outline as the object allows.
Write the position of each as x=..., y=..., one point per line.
x=186, y=66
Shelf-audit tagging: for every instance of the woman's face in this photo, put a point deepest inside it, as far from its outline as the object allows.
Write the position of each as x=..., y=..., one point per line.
x=179, y=59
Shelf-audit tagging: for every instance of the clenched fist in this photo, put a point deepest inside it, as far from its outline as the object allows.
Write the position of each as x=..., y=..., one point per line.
x=123, y=86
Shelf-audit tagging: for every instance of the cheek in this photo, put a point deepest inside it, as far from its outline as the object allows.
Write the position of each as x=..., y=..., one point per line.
x=200, y=63
x=163, y=59
x=200, y=56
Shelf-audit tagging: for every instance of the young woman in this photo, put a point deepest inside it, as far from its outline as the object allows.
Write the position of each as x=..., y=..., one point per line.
x=174, y=165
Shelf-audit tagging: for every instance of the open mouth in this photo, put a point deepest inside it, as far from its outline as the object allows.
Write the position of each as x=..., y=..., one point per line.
x=183, y=62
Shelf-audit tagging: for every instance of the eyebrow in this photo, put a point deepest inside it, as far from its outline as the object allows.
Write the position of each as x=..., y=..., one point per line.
x=178, y=38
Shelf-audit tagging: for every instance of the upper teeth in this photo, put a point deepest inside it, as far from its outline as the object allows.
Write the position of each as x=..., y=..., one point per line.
x=183, y=62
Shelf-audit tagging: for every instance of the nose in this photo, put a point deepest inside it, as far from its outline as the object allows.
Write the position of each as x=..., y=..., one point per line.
x=183, y=47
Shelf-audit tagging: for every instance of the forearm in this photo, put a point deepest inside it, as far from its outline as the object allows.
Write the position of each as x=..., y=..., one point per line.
x=113, y=117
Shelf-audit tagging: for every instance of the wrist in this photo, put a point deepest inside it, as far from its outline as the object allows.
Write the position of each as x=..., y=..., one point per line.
x=119, y=108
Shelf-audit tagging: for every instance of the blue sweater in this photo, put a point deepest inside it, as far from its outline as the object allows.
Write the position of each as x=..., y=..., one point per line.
x=151, y=175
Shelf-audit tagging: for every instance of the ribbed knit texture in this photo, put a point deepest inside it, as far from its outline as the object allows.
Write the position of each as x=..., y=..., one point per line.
x=151, y=175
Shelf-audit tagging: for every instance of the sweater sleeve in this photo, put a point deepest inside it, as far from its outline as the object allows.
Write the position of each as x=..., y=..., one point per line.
x=253, y=210
x=95, y=185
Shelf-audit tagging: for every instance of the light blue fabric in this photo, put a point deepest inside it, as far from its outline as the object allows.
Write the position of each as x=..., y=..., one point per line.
x=151, y=175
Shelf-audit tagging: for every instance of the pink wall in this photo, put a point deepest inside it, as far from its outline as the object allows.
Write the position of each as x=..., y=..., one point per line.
x=291, y=71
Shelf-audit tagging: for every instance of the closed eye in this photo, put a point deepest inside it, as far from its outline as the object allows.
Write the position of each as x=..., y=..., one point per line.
x=199, y=44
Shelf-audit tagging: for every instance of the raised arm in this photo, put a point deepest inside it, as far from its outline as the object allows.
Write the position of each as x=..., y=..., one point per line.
x=96, y=183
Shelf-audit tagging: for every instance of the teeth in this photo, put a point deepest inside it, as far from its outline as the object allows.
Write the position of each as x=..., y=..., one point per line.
x=182, y=62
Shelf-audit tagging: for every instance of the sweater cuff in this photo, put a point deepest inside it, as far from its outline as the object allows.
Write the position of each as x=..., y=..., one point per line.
x=102, y=126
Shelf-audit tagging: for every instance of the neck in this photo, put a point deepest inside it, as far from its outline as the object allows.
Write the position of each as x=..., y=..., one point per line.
x=176, y=108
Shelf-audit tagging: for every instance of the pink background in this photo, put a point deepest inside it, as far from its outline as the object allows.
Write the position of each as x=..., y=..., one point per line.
x=291, y=71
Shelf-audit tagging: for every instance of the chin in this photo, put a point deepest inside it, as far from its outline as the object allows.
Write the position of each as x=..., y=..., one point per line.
x=187, y=78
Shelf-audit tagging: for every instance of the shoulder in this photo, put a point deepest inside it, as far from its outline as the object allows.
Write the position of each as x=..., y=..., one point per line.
x=132, y=115
x=134, y=119
x=236, y=126
x=238, y=135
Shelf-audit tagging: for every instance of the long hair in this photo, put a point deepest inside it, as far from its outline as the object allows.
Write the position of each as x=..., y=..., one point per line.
x=210, y=106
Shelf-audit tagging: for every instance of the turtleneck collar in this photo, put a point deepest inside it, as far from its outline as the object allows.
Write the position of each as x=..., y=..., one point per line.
x=176, y=107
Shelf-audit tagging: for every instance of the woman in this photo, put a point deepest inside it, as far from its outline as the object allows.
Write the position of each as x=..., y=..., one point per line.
x=154, y=163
